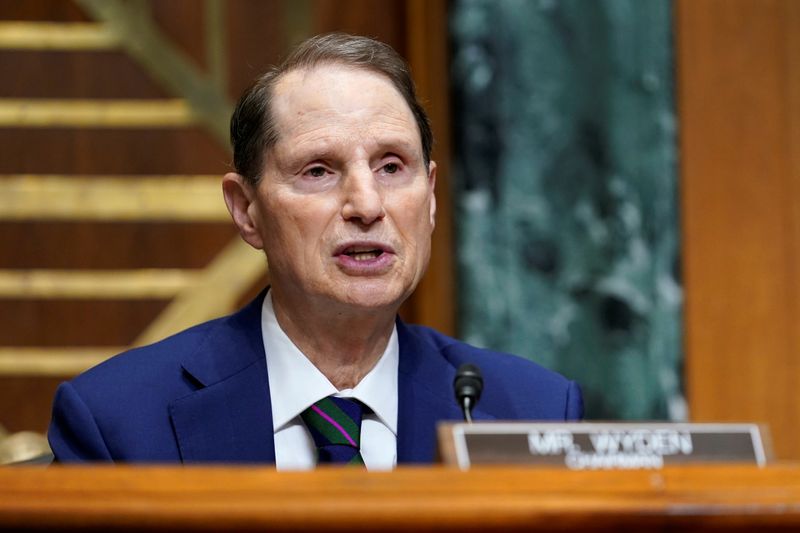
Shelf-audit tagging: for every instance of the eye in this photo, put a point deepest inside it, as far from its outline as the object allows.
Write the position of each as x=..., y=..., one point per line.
x=391, y=168
x=316, y=172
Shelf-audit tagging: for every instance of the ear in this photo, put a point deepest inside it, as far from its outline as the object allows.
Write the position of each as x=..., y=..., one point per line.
x=432, y=185
x=240, y=198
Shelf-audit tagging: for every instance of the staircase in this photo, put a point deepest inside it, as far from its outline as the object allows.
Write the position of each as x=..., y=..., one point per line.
x=113, y=232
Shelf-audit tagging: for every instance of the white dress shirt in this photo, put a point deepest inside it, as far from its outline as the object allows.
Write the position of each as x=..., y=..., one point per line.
x=295, y=384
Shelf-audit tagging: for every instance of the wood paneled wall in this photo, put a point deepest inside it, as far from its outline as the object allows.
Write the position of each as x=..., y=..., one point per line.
x=739, y=108
x=739, y=105
x=256, y=33
x=79, y=244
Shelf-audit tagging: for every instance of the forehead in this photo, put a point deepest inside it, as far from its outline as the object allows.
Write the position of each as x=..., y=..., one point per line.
x=340, y=97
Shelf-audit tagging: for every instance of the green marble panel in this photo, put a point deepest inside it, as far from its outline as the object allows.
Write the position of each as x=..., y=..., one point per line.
x=566, y=194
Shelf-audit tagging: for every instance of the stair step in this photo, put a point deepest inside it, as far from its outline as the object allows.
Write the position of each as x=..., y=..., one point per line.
x=112, y=198
x=46, y=361
x=44, y=284
x=18, y=35
x=47, y=113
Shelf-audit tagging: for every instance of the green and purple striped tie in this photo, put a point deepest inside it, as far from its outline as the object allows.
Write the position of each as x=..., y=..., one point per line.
x=335, y=425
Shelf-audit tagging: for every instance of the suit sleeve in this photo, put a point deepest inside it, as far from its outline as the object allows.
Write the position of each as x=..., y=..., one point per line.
x=574, y=409
x=73, y=433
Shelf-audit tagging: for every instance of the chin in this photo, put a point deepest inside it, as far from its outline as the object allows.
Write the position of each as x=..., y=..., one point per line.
x=374, y=296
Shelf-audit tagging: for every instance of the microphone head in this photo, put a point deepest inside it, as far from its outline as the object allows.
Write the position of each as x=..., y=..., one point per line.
x=468, y=383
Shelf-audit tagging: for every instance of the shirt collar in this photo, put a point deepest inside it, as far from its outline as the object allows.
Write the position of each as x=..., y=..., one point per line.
x=295, y=383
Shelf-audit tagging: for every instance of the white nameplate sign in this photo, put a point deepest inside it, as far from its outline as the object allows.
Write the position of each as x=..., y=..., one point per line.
x=600, y=446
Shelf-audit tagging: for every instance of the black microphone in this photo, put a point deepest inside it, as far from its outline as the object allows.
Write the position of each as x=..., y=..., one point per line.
x=468, y=386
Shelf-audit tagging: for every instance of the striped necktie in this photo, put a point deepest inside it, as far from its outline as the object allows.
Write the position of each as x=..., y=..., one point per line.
x=335, y=425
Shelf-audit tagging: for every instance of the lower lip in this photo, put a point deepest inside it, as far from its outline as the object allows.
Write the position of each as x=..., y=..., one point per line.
x=366, y=267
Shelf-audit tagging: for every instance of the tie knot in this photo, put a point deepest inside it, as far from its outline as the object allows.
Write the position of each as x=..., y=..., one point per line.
x=335, y=426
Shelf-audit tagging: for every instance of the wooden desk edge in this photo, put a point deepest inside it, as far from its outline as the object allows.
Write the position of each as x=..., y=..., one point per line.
x=255, y=497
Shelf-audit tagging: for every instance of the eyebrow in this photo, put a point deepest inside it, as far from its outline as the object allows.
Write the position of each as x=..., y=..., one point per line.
x=295, y=162
x=330, y=151
x=404, y=144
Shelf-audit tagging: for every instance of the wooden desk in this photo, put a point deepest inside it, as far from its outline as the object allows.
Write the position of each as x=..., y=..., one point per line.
x=223, y=498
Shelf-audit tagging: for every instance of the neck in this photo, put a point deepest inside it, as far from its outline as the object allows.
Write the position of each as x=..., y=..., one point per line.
x=344, y=344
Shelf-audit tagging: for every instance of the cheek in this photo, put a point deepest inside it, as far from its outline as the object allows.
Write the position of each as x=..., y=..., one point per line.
x=299, y=228
x=416, y=221
x=423, y=209
x=278, y=232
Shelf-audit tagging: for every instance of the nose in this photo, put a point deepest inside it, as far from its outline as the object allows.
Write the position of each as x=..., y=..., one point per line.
x=363, y=200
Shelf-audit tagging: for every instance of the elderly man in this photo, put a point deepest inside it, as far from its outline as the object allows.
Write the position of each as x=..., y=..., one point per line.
x=335, y=183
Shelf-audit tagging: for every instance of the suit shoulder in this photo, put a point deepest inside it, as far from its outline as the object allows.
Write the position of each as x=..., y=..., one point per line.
x=144, y=364
x=489, y=361
x=514, y=388
x=123, y=404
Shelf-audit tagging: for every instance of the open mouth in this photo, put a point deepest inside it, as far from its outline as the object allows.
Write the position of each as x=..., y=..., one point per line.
x=363, y=254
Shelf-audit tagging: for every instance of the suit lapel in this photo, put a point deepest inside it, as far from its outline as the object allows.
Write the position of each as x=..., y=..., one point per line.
x=425, y=389
x=229, y=419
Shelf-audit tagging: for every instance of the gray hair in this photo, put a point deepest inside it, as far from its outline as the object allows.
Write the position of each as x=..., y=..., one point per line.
x=253, y=130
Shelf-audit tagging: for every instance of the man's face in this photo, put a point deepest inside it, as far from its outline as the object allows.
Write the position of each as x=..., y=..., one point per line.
x=345, y=206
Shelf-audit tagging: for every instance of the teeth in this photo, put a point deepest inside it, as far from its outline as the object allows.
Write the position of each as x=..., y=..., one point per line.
x=364, y=256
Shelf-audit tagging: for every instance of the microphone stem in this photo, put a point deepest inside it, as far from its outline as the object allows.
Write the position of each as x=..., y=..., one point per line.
x=468, y=409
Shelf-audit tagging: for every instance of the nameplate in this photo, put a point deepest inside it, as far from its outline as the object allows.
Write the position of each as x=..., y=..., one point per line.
x=600, y=446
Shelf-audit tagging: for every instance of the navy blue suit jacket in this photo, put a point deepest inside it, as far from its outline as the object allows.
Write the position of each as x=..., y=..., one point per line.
x=203, y=396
